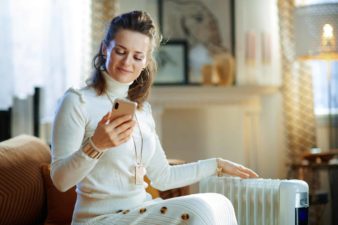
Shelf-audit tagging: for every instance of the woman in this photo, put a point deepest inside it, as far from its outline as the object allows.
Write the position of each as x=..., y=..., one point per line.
x=106, y=158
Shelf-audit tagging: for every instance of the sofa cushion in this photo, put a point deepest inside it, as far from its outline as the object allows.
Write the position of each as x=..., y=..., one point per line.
x=22, y=194
x=60, y=205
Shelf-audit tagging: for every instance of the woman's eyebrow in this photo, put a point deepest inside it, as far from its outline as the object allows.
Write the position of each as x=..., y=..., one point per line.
x=120, y=46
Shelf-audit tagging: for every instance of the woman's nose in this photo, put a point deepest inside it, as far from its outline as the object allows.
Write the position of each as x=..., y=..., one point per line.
x=127, y=60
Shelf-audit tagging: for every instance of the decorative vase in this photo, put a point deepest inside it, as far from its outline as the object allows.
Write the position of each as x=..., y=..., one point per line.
x=224, y=67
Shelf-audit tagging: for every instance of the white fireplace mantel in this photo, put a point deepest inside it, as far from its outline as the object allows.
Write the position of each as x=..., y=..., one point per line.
x=194, y=96
x=164, y=97
x=248, y=98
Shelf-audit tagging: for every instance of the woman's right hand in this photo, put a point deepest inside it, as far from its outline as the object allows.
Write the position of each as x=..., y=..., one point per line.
x=110, y=133
x=235, y=169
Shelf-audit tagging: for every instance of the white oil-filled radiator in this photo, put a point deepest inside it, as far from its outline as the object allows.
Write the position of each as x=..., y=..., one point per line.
x=263, y=201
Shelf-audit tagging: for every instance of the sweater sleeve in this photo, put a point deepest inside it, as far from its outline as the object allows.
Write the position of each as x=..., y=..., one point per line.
x=164, y=176
x=69, y=163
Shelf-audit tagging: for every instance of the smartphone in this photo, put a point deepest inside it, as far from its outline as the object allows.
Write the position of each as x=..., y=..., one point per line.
x=123, y=107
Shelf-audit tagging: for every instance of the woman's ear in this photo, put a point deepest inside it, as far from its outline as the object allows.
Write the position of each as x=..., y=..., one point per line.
x=147, y=64
x=104, y=48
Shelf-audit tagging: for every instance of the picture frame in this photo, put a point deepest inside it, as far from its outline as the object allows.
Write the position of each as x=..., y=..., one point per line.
x=172, y=68
x=206, y=25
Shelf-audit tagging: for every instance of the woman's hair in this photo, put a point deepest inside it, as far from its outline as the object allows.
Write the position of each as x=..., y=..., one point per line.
x=141, y=22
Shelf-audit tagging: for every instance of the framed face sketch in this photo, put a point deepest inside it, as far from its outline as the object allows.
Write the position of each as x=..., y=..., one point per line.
x=171, y=60
x=206, y=25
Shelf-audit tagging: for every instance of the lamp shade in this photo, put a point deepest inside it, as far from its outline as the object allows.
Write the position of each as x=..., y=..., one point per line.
x=316, y=31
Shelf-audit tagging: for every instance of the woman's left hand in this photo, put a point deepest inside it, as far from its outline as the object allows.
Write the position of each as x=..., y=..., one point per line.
x=235, y=169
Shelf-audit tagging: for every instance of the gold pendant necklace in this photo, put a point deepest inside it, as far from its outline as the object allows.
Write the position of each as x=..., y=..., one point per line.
x=140, y=170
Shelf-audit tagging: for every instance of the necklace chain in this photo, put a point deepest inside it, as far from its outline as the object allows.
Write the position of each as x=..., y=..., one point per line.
x=138, y=160
x=139, y=128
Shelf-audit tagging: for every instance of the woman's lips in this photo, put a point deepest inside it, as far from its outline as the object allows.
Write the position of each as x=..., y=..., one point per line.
x=124, y=70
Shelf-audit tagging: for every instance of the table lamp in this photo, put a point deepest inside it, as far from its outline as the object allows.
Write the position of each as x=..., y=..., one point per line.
x=316, y=38
x=316, y=31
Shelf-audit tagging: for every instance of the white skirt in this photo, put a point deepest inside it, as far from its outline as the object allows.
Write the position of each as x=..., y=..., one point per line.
x=195, y=209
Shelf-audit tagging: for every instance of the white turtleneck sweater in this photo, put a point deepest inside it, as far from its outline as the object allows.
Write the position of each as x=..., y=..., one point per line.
x=107, y=184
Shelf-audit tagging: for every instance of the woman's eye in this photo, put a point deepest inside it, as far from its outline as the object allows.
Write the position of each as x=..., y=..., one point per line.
x=119, y=52
x=138, y=58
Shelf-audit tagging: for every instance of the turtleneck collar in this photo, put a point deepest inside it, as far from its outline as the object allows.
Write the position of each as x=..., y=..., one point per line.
x=114, y=87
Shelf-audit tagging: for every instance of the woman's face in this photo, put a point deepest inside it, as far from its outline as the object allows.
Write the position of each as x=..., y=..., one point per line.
x=127, y=55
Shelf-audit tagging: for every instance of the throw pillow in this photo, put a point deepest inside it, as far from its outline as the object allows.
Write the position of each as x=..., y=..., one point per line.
x=60, y=205
x=22, y=195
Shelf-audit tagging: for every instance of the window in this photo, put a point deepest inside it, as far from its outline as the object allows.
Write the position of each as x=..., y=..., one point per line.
x=325, y=87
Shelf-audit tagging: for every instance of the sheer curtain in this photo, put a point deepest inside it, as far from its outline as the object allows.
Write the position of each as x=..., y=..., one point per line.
x=326, y=101
x=44, y=43
x=297, y=89
x=6, y=90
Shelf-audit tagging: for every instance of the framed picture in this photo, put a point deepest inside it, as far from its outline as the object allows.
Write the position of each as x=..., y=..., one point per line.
x=171, y=60
x=206, y=25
